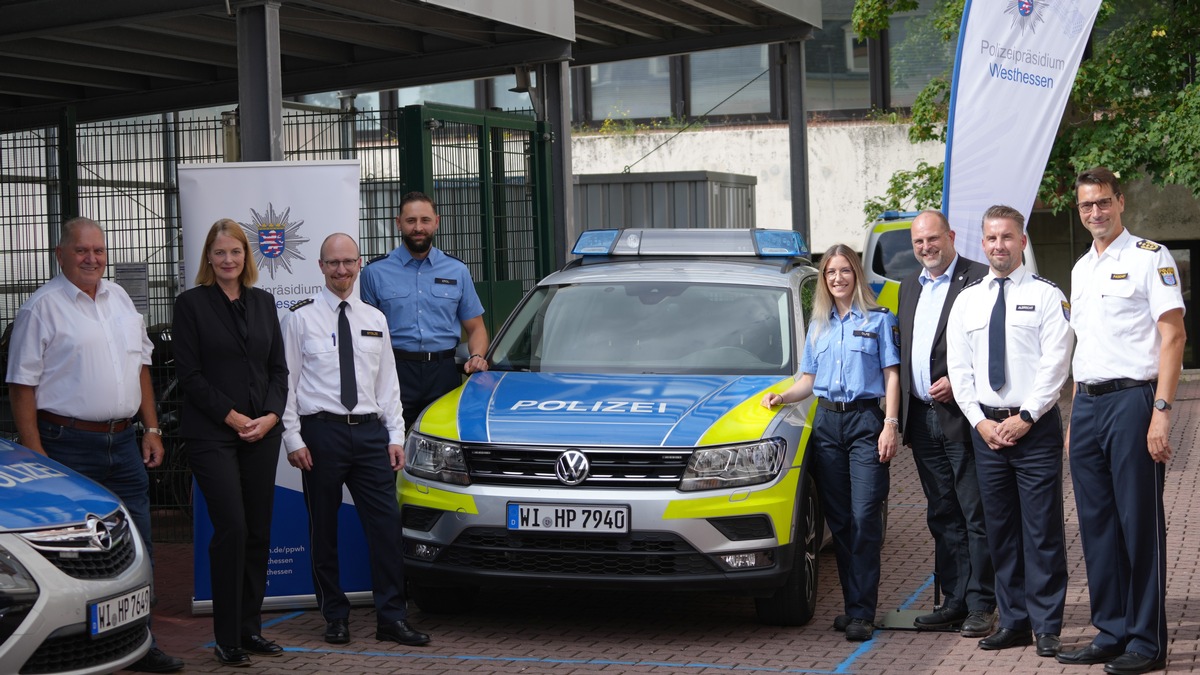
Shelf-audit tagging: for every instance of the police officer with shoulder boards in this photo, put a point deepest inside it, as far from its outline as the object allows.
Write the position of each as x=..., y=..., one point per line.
x=1127, y=308
x=343, y=426
x=1008, y=351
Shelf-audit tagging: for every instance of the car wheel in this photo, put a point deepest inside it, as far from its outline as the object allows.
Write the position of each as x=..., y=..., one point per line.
x=443, y=599
x=793, y=603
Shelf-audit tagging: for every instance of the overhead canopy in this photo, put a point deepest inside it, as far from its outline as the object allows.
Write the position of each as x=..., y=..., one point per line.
x=112, y=59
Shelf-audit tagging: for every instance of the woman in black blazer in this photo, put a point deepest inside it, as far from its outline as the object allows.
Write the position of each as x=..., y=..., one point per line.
x=232, y=372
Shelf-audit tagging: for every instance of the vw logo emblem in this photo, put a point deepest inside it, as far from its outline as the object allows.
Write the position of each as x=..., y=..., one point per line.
x=98, y=533
x=571, y=467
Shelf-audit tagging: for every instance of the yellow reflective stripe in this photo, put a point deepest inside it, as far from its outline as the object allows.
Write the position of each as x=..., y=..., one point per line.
x=889, y=296
x=778, y=502
x=746, y=421
x=441, y=417
x=891, y=225
x=411, y=494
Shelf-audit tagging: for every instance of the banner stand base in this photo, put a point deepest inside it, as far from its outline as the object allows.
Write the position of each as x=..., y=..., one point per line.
x=283, y=602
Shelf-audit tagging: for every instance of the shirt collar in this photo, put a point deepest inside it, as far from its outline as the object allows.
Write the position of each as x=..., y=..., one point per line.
x=926, y=277
x=406, y=257
x=1122, y=242
x=855, y=312
x=333, y=301
x=74, y=291
x=1016, y=276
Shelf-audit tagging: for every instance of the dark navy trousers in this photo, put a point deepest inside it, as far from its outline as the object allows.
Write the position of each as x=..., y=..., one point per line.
x=1119, y=494
x=422, y=383
x=955, y=515
x=1022, y=495
x=853, y=484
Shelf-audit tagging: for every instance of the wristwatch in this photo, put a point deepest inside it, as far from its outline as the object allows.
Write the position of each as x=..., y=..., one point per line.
x=1026, y=417
x=1161, y=404
x=153, y=430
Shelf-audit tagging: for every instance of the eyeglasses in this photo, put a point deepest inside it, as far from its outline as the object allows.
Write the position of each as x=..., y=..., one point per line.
x=1102, y=204
x=347, y=263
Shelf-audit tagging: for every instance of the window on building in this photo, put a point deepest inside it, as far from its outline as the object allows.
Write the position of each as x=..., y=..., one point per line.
x=637, y=89
x=451, y=93
x=716, y=75
x=917, y=54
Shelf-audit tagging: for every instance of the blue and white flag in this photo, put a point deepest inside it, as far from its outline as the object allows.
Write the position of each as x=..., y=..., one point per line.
x=1013, y=74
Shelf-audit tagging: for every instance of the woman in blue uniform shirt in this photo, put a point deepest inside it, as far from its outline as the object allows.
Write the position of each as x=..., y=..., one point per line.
x=850, y=362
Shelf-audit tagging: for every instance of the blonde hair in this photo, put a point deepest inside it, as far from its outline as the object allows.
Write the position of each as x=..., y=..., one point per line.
x=863, y=299
x=230, y=228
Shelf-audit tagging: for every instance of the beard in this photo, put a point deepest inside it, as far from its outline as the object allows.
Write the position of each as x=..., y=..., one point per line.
x=417, y=247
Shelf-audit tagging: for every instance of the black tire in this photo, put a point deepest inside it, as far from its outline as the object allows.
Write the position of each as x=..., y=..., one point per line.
x=794, y=603
x=443, y=599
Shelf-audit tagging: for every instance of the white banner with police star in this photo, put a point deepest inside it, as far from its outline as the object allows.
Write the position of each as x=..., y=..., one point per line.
x=1013, y=74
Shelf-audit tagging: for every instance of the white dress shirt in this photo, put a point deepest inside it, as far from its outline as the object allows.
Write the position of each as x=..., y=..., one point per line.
x=1037, y=345
x=1116, y=300
x=83, y=356
x=314, y=372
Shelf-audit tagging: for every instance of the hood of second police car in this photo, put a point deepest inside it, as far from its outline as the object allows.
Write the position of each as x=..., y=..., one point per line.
x=652, y=410
x=37, y=492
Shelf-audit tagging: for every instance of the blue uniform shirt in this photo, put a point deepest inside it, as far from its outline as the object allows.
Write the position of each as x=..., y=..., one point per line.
x=425, y=301
x=849, y=357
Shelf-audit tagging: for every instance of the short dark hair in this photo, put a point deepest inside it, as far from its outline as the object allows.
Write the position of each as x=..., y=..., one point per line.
x=415, y=196
x=1099, y=176
x=1007, y=212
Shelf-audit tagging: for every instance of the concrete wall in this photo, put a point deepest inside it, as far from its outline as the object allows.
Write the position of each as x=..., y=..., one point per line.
x=848, y=163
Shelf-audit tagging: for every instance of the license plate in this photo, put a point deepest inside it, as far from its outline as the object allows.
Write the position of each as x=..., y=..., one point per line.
x=568, y=518
x=120, y=611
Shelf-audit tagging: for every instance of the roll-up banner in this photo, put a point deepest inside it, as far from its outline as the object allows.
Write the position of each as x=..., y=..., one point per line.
x=1013, y=74
x=287, y=209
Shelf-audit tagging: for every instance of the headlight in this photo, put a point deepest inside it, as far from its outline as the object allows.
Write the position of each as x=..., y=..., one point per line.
x=734, y=465
x=435, y=459
x=18, y=593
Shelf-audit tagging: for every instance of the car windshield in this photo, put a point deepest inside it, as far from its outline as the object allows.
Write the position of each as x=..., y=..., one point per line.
x=894, y=259
x=650, y=327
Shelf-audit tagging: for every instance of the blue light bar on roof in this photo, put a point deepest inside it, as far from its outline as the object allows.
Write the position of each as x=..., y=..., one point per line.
x=595, y=242
x=691, y=242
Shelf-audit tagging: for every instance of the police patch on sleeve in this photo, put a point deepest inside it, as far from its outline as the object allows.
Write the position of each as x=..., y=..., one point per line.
x=896, y=335
x=1168, y=276
x=1066, y=310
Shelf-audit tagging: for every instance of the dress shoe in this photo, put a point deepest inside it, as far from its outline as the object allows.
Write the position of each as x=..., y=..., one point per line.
x=400, y=631
x=860, y=630
x=979, y=623
x=257, y=644
x=1048, y=644
x=944, y=617
x=155, y=661
x=1087, y=656
x=1132, y=663
x=1005, y=638
x=231, y=656
x=337, y=632
x=840, y=623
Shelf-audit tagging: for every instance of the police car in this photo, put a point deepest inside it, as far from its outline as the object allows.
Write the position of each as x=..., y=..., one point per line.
x=74, y=575
x=618, y=440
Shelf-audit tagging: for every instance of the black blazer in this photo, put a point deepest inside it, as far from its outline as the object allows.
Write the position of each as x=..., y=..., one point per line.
x=218, y=370
x=954, y=423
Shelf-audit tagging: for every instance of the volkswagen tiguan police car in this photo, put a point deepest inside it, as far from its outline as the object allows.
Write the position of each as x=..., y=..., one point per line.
x=618, y=441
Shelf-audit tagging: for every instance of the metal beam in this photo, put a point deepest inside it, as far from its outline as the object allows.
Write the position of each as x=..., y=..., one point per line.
x=95, y=57
x=590, y=32
x=220, y=31
x=461, y=27
x=587, y=55
x=618, y=20
x=728, y=11
x=797, y=137
x=51, y=72
x=43, y=17
x=140, y=42
x=672, y=14
x=36, y=89
x=260, y=82
x=555, y=78
x=343, y=29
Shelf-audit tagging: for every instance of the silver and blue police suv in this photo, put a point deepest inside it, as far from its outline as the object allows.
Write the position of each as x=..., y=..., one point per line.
x=74, y=575
x=618, y=440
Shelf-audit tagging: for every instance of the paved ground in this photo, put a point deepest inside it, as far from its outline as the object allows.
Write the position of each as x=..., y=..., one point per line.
x=638, y=633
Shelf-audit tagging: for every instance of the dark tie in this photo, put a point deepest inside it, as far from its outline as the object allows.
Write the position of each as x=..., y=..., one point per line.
x=346, y=360
x=996, y=340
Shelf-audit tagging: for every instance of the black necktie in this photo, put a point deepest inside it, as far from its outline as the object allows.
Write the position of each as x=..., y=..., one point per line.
x=346, y=360
x=996, y=340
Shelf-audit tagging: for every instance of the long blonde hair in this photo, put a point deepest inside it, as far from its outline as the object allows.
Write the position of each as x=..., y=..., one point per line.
x=863, y=299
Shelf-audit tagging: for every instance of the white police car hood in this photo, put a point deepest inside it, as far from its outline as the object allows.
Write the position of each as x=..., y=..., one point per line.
x=37, y=492
x=572, y=409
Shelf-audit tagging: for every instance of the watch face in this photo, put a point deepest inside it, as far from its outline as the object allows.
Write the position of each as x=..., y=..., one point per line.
x=1161, y=404
x=1026, y=417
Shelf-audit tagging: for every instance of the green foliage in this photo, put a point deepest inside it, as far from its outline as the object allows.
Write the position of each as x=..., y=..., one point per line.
x=909, y=191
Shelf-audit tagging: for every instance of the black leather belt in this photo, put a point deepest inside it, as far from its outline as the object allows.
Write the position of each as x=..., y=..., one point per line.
x=106, y=427
x=927, y=404
x=423, y=356
x=857, y=404
x=1109, y=386
x=344, y=419
x=998, y=414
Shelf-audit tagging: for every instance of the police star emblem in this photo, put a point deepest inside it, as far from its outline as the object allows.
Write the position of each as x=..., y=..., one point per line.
x=1026, y=13
x=1066, y=310
x=1167, y=274
x=278, y=239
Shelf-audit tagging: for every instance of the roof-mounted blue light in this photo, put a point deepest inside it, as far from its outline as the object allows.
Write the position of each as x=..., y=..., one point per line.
x=786, y=243
x=690, y=242
x=595, y=242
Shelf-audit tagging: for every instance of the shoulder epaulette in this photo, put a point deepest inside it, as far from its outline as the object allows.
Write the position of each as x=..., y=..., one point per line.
x=1147, y=245
x=976, y=282
x=881, y=309
x=1044, y=279
x=453, y=257
x=378, y=258
x=302, y=303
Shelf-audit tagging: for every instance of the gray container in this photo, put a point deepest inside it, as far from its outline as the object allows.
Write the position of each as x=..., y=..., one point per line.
x=674, y=199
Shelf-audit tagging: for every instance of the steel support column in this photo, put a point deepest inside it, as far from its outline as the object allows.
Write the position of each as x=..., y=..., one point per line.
x=556, y=83
x=797, y=137
x=259, y=82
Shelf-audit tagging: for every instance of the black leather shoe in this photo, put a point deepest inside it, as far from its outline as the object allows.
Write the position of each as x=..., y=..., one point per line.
x=979, y=623
x=944, y=617
x=1132, y=663
x=231, y=656
x=1005, y=638
x=257, y=644
x=400, y=631
x=860, y=630
x=1048, y=644
x=840, y=623
x=1087, y=656
x=155, y=661
x=337, y=632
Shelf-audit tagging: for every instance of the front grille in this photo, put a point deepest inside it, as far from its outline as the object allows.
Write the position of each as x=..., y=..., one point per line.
x=744, y=528
x=639, y=554
x=608, y=467
x=99, y=548
x=78, y=651
x=418, y=518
